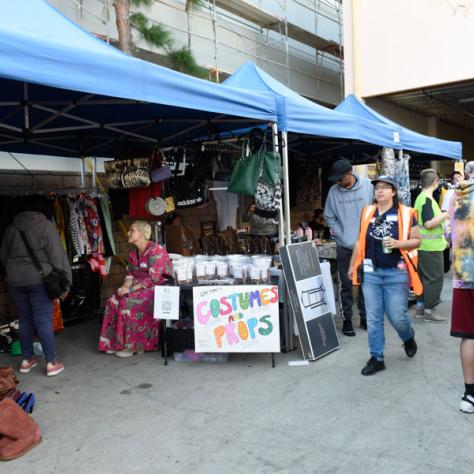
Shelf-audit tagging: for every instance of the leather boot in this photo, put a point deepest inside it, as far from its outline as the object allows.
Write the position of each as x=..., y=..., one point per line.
x=20, y=432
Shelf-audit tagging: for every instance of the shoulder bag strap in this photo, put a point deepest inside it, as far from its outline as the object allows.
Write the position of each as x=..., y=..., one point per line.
x=30, y=251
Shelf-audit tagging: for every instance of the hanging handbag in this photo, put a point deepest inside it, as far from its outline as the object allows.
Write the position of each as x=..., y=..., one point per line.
x=243, y=179
x=268, y=192
x=189, y=190
x=168, y=197
x=113, y=172
x=159, y=172
x=55, y=283
x=137, y=173
x=248, y=170
x=155, y=205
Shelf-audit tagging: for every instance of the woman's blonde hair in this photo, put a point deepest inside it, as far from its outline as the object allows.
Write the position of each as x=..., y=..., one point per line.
x=144, y=228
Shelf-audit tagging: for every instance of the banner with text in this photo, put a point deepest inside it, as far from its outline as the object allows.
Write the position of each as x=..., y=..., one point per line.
x=240, y=318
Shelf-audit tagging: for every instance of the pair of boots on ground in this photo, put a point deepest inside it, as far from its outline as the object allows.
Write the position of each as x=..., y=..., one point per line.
x=18, y=431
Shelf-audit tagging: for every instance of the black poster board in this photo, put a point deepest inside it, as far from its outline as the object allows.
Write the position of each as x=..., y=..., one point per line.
x=307, y=295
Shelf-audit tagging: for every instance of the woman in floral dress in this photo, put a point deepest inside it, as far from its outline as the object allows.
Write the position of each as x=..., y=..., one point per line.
x=128, y=325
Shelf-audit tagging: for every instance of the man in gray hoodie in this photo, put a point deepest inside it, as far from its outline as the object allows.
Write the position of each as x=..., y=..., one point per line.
x=342, y=212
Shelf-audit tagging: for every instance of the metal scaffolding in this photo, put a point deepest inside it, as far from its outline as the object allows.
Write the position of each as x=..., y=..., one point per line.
x=230, y=15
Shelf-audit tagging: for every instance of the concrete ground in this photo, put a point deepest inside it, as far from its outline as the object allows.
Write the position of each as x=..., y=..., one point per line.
x=109, y=415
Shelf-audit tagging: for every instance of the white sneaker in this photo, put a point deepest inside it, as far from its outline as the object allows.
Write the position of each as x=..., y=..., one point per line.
x=124, y=353
x=467, y=404
x=432, y=316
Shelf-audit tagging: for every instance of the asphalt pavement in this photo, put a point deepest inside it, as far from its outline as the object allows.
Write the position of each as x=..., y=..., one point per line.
x=109, y=415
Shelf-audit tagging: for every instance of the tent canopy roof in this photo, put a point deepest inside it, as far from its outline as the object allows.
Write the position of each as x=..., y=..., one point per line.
x=409, y=140
x=65, y=92
x=354, y=131
x=300, y=115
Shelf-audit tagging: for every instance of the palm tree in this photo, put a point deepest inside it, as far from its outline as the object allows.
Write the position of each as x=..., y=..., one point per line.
x=155, y=35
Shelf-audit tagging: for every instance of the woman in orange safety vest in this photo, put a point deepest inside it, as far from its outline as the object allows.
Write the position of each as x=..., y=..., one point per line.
x=384, y=261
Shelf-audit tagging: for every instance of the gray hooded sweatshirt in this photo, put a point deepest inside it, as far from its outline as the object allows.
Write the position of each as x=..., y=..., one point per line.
x=43, y=239
x=343, y=210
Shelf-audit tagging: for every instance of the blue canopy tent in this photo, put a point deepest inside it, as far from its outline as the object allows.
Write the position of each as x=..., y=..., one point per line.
x=65, y=92
x=409, y=140
x=318, y=131
x=304, y=117
x=306, y=120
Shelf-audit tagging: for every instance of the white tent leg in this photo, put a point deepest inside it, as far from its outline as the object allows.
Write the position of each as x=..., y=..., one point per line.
x=281, y=233
x=94, y=174
x=286, y=183
x=83, y=173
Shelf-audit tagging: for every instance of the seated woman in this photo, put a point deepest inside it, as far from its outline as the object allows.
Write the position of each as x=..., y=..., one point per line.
x=128, y=325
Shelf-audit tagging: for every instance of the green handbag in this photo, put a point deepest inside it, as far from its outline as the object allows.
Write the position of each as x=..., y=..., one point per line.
x=249, y=169
x=271, y=167
x=245, y=173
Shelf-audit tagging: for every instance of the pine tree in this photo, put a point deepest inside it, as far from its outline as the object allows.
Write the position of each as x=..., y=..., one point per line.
x=154, y=34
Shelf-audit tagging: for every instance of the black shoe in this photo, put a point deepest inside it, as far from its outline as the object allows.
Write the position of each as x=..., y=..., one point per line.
x=363, y=323
x=347, y=328
x=373, y=366
x=410, y=346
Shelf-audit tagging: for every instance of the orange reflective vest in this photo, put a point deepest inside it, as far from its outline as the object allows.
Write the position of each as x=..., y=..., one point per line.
x=405, y=218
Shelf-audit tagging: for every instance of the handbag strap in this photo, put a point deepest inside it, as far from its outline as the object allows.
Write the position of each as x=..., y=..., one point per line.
x=31, y=253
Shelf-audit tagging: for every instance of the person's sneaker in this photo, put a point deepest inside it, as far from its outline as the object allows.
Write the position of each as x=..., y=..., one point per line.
x=110, y=352
x=347, y=328
x=410, y=346
x=419, y=312
x=124, y=353
x=27, y=365
x=467, y=404
x=373, y=366
x=363, y=323
x=54, y=368
x=432, y=316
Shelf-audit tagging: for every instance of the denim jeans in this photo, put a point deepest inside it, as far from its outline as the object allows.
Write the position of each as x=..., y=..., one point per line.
x=35, y=310
x=386, y=291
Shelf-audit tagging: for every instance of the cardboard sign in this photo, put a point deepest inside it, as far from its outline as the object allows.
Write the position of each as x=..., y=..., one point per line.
x=242, y=318
x=166, y=302
x=309, y=295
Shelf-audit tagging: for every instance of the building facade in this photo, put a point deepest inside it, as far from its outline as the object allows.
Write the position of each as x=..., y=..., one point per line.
x=296, y=41
x=412, y=61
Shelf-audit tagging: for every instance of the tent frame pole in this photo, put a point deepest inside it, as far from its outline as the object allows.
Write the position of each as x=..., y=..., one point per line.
x=281, y=220
x=287, y=315
x=94, y=173
x=83, y=172
x=286, y=184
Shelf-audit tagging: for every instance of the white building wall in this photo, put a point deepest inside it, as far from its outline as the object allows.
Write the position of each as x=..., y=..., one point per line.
x=392, y=46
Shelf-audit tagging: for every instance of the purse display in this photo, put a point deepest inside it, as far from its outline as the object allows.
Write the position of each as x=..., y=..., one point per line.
x=128, y=173
x=189, y=190
x=263, y=164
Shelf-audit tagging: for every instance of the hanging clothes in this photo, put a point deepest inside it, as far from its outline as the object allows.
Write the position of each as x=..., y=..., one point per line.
x=402, y=178
x=106, y=222
x=226, y=205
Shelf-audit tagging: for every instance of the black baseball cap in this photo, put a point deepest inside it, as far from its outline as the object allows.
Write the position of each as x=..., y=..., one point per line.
x=386, y=179
x=339, y=169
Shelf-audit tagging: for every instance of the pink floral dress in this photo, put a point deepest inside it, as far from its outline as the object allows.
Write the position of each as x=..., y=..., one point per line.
x=128, y=320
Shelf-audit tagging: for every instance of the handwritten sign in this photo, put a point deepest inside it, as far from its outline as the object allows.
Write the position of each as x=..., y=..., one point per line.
x=236, y=318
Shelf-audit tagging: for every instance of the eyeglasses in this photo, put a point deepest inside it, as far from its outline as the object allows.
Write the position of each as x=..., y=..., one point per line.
x=382, y=187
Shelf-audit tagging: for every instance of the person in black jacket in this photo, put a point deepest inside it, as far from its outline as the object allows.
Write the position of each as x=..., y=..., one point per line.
x=34, y=306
